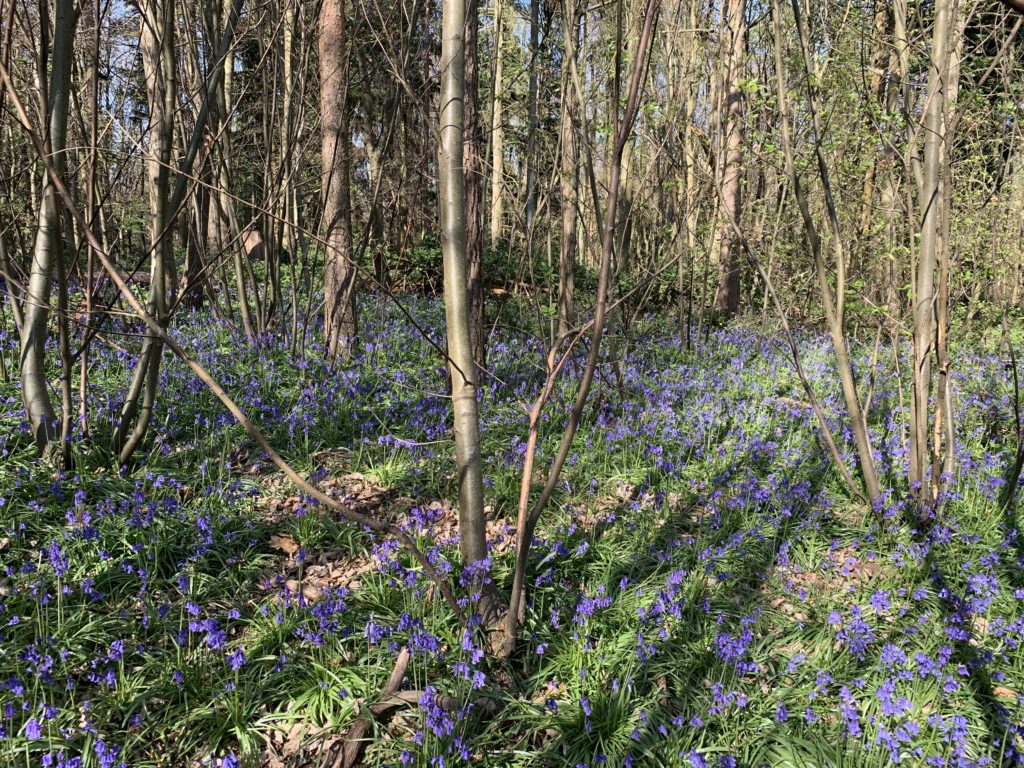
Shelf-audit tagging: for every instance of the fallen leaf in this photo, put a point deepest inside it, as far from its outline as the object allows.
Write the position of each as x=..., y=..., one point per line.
x=284, y=543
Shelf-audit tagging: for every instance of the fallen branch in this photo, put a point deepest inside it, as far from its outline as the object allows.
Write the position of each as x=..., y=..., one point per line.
x=355, y=741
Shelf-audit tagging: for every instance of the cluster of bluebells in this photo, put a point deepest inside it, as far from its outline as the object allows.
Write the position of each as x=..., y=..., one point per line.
x=138, y=552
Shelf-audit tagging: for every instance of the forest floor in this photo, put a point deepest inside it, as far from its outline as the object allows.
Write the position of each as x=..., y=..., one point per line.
x=704, y=589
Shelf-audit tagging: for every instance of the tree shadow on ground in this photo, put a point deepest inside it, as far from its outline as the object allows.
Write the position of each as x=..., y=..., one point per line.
x=663, y=678
x=958, y=618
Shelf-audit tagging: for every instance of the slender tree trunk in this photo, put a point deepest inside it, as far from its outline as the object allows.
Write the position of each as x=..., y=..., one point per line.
x=569, y=179
x=832, y=303
x=876, y=99
x=462, y=368
x=231, y=235
x=92, y=212
x=690, y=189
x=375, y=218
x=928, y=256
x=943, y=434
x=156, y=43
x=34, y=388
x=335, y=152
x=67, y=413
x=473, y=167
x=727, y=298
x=532, y=98
x=497, y=128
x=527, y=515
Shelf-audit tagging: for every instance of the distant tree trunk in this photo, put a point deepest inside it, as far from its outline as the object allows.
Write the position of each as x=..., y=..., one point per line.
x=34, y=387
x=223, y=224
x=248, y=300
x=532, y=105
x=473, y=167
x=335, y=151
x=497, y=128
x=569, y=176
x=375, y=236
x=734, y=28
x=876, y=98
x=451, y=178
x=689, y=164
x=196, y=229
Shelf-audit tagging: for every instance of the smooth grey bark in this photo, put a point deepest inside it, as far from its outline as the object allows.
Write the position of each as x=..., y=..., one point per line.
x=34, y=388
x=924, y=271
x=156, y=43
x=463, y=372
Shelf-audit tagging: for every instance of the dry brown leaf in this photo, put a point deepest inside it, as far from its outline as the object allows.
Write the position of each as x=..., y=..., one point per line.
x=284, y=543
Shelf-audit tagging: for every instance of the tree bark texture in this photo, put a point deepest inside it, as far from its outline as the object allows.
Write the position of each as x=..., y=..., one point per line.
x=734, y=37
x=340, y=326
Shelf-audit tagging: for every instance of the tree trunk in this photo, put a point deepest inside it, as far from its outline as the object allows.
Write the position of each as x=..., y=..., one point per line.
x=473, y=168
x=924, y=274
x=569, y=178
x=156, y=43
x=943, y=434
x=462, y=369
x=497, y=128
x=335, y=152
x=727, y=298
x=34, y=388
x=532, y=98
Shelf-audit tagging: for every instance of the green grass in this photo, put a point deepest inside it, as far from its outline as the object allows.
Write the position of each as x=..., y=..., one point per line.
x=696, y=515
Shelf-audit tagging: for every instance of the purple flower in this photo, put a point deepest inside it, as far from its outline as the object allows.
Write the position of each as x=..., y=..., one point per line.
x=237, y=659
x=57, y=559
x=880, y=600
